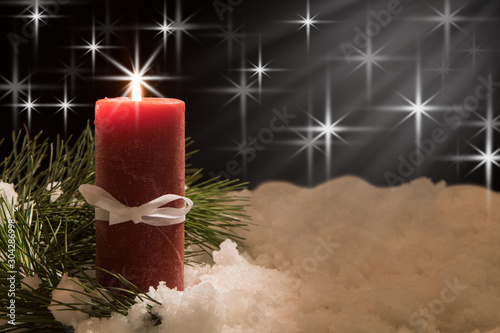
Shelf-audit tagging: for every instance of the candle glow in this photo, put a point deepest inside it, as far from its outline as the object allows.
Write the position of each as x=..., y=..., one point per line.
x=136, y=91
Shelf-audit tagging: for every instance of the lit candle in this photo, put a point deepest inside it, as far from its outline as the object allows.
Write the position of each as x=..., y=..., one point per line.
x=139, y=156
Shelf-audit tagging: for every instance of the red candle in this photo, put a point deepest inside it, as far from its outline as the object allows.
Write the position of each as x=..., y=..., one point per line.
x=139, y=156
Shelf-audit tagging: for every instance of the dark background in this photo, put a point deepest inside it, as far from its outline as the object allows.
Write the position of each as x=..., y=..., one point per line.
x=432, y=52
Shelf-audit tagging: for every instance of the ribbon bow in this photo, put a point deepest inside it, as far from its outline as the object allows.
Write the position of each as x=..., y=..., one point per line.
x=110, y=209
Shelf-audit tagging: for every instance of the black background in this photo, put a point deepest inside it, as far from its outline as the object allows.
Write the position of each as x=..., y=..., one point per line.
x=204, y=64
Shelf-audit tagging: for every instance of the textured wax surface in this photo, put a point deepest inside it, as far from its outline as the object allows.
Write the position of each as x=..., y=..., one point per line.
x=344, y=257
x=140, y=156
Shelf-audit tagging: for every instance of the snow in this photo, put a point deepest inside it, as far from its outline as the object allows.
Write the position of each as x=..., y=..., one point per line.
x=31, y=282
x=7, y=191
x=342, y=257
x=55, y=189
x=9, y=195
x=71, y=293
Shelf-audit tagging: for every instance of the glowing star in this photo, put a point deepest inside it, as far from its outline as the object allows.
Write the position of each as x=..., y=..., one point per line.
x=259, y=69
x=28, y=105
x=308, y=21
x=369, y=59
x=488, y=158
x=474, y=51
x=14, y=86
x=446, y=19
x=65, y=106
x=415, y=108
x=164, y=28
x=241, y=90
x=35, y=15
x=107, y=28
x=230, y=36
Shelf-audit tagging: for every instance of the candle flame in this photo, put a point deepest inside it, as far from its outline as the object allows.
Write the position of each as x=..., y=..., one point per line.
x=136, y=90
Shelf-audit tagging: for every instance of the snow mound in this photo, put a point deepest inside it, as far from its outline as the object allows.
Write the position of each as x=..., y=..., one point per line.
x=342, y=257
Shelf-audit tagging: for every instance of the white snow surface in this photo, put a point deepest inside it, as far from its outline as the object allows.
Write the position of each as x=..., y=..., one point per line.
x=342, y=257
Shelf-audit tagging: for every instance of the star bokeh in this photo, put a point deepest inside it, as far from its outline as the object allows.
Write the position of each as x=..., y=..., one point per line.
x=300, y=91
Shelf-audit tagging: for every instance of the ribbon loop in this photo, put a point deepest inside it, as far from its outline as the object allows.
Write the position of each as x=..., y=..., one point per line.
x=107, y=208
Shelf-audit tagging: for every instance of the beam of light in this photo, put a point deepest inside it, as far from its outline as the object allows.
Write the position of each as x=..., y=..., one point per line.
x=307, y=21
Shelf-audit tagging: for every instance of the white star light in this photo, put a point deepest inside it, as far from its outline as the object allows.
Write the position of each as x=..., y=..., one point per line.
x=72, y=70
x=230, y=36
x=323, y=133
x=446, y=19
x=35, y=14
x=181, y=26
x=107, y=28
x=369, y=59
x=29, y=105
x=474, y=51
x=91, y=47
x=489, y=156
x=241, y=90
x=416, y=107
x=165, y=28
x=260, y=69
x=14, y=86
x=444, y=69
x=308, y=21
x=65, y=106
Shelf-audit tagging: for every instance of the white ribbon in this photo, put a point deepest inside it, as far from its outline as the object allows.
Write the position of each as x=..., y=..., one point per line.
x=107, y=208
